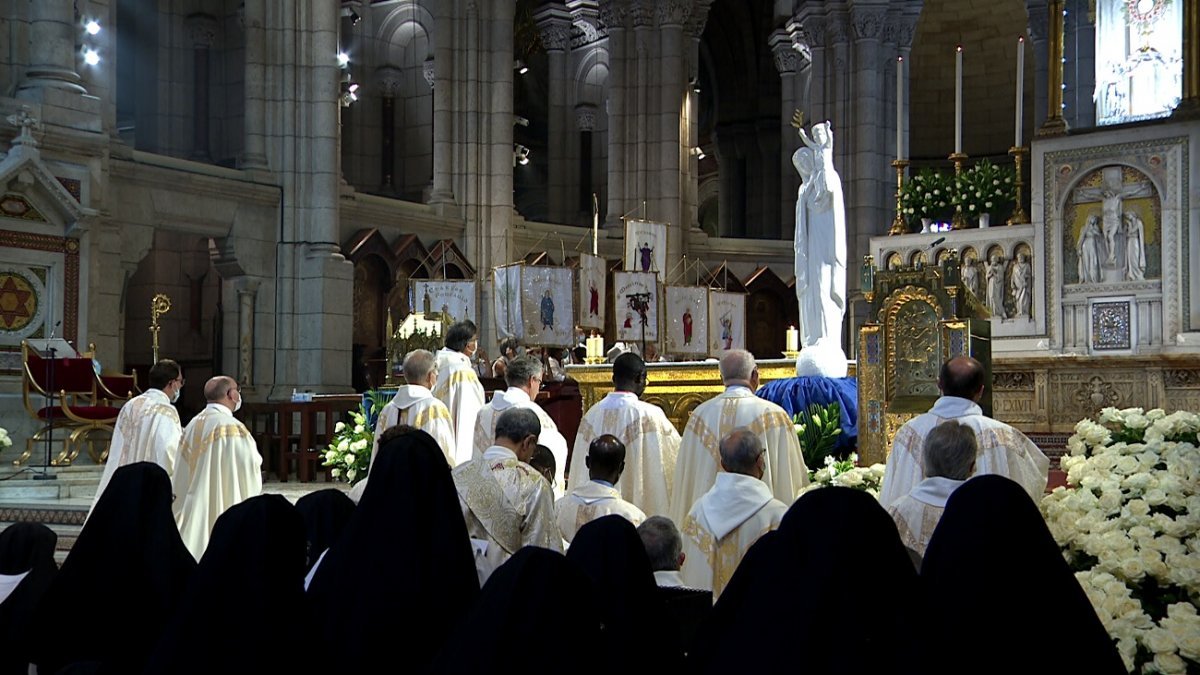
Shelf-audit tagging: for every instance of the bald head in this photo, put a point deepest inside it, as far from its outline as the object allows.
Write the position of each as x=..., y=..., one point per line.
x=738, y=367
x=217, y=388
x=742, y=452
x=420, y=367
x=963, y=377
x=606, y=458
x=629, y=374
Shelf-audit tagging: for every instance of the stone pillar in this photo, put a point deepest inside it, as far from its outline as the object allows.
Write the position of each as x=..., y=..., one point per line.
x=1080, y=39
x=202, y=31
x=1038, y=30
x=814, y=34
x=612, y=13
x=555, y=25
x=1189, y=105
x=1055, y=124
x=866, y=174
x=387, y=79
x=672, y=144
x=787, y=58
x=442, y=193
x=254, y=155
x=247, y=291
x=585, y=123
x=52, y=47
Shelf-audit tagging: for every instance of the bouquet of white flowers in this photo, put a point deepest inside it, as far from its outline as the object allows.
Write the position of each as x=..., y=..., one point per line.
x=5, y=441
x=847, y=474
x=349, y=453
x=1127, y=522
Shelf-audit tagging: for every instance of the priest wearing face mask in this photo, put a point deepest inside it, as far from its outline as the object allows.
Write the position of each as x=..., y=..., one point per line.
x=219, y=465
x=147, y=428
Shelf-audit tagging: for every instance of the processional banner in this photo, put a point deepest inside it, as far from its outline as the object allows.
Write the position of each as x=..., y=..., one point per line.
x=646, y=247
x=453, y=298
x=635, y=306
x=548, y=305
x=592, y=291
x=685, y=319
x=506, y=301
x=726, y=321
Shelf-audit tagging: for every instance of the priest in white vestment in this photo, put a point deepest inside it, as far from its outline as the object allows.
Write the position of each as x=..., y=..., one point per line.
x=505, y=502
x=524, y=378
x=597, y=498
x=458, y=385
x=731, y=516
x=147, y=428
x=219, y=465
x=699, y=462
x=414, y=405
x=949, y=454
x=651, y=441
x=1003, y=450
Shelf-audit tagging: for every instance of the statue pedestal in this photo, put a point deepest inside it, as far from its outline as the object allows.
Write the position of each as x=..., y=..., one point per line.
x=798, y=393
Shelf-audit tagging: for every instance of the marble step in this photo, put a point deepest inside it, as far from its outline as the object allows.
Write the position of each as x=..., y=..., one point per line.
x=71, y=483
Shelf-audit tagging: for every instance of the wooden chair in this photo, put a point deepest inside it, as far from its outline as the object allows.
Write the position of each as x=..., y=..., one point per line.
x=79, y=409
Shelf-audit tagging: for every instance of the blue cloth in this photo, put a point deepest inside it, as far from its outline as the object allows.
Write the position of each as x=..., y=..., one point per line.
x=797, y=393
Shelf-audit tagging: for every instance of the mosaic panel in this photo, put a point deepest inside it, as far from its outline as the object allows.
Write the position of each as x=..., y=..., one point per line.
x=1111, y=326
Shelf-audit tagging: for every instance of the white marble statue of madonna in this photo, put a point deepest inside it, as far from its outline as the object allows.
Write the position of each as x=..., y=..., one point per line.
x=820, y=247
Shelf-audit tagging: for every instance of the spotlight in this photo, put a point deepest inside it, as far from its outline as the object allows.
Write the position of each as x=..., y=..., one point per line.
x=695, y=84
x=343, y=59
x=520, y=67
x=354, y=18
x=700, y=155
x=520, y=154
x=517, y=119
x=90, y=57
x=92, y=27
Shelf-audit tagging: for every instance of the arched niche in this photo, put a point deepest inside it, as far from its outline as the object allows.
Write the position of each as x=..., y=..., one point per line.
x=770, y=309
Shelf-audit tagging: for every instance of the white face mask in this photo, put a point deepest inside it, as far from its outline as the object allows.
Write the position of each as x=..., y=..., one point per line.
x=238, y=406
x=175, y=396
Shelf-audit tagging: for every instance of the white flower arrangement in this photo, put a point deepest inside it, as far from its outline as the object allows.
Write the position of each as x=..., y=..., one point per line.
x=349, y=451
x=846, y=473
x=5, y=441
x=1128, y=522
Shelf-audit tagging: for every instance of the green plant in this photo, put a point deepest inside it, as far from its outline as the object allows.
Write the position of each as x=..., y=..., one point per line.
x=926, y=195
x=985, y=188
x=349, y=451
x=818, y=428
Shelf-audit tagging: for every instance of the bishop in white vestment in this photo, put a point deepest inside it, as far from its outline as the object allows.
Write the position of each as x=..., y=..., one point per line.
x=731, y=516
x=505, y=502
x=651, y=441
x=414, y=405
x=524, y=378
x=598, y=497
x=949, y=454
x=219, y=465
x=147, y=428
x=699, y=462
x=458, y=385
x=1003, y=450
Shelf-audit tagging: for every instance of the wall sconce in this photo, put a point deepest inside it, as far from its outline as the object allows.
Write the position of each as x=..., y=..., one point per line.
x=694, y=83
x=698, y=152
x=349, y=91
x=520, y=67
x=520, y=154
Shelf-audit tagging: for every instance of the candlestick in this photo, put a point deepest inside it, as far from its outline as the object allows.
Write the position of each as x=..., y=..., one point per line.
x=1055, y=124
x=1019, y=216
x=1020, y=88
x=899, y=223
x=899, y=107
x=959, y=221
x=595, y=224
x=958, y=100
x=793, y=339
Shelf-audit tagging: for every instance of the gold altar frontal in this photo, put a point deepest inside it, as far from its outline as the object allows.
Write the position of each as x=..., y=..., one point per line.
x=677, y=388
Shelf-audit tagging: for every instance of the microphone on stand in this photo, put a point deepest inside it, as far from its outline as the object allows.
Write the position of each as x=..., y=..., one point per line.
x=53, y=352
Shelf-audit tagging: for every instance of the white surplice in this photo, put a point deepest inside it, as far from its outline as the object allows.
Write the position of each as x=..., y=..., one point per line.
x=723, y=525
x=458, y=387
x=415, y=406
x=918, y=512
x=1003, y=450
x=219, y=466
x=147, y=430
x=699, y=452
x=651, y=449
x=485, y=430
x=590, y=501
x=507, y=505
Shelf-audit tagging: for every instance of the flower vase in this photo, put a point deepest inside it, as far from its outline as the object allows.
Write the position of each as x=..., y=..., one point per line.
x=985, y=220
x=925, y=225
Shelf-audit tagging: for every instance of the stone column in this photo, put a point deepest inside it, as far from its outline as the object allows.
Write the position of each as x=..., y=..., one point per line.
x=612, y=13
x=555, y=25
x=387, y=79
x=866, y=176
x=442, y=193
x=672, y=88
x=1038, y=30
x=52, y=47
x=1055, y=124
x=1189, y=105
x=1080, y=39
x=254, y=155
x=814, y=34
x=585, y=123
x=202, y=31
x=247, y=291
x=786, y=60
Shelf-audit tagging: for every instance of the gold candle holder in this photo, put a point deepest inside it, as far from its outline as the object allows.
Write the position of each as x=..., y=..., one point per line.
x=791, y=355
x=593, y=360
x=899, y=225
x=1019, y=217
x=1055, y=124
x=959, y=221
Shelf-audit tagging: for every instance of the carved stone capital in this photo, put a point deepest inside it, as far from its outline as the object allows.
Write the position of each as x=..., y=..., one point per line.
x=201, y=30
x=554, y=22
x=641, y=13
x=585, y=117
x=697, y=18
x=388, y=79
x=814, y=28
x=782, y=49
x=613, y=13
x=673, y=12
x=867, y=23
x=428, y=73
x=838, y=30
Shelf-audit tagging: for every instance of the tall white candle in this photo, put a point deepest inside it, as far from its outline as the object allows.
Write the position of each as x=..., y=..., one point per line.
x=1020, y=89
x=900, y=107
x=595, y=224
x=958, y=100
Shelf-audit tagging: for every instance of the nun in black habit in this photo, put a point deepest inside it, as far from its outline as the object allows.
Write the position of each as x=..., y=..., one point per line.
x=120, y=583
x=404, y=559
x=238, y=614
x=25, y=549
x=326, y=513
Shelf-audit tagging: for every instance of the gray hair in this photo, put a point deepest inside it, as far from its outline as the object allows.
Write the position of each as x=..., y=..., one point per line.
x=418, y=364
x=218, y=387
x=950, y=450
x=737, y=364
x=662, y=541
x=521, y=369
x=517, y=424
x=740, y=450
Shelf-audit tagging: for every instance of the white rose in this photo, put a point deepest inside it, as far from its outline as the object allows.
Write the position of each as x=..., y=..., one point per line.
x=1110, y=415
x=1159, y=641
x=1138, y=507
x=1132, y=569
x=1155, y=497
x=358, y=428
x=350, y=459
x=351, y=474
x=1110, y=501
x=1169, y=664
x=331, y=456
x=339, y=427
x=1136, y=421
x=335, y=472
x=1156, y=414
x=344, y=445
x=850, y=479
x=359, y=445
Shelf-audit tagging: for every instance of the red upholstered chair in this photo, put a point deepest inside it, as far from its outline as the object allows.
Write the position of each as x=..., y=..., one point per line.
x=78, y=406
